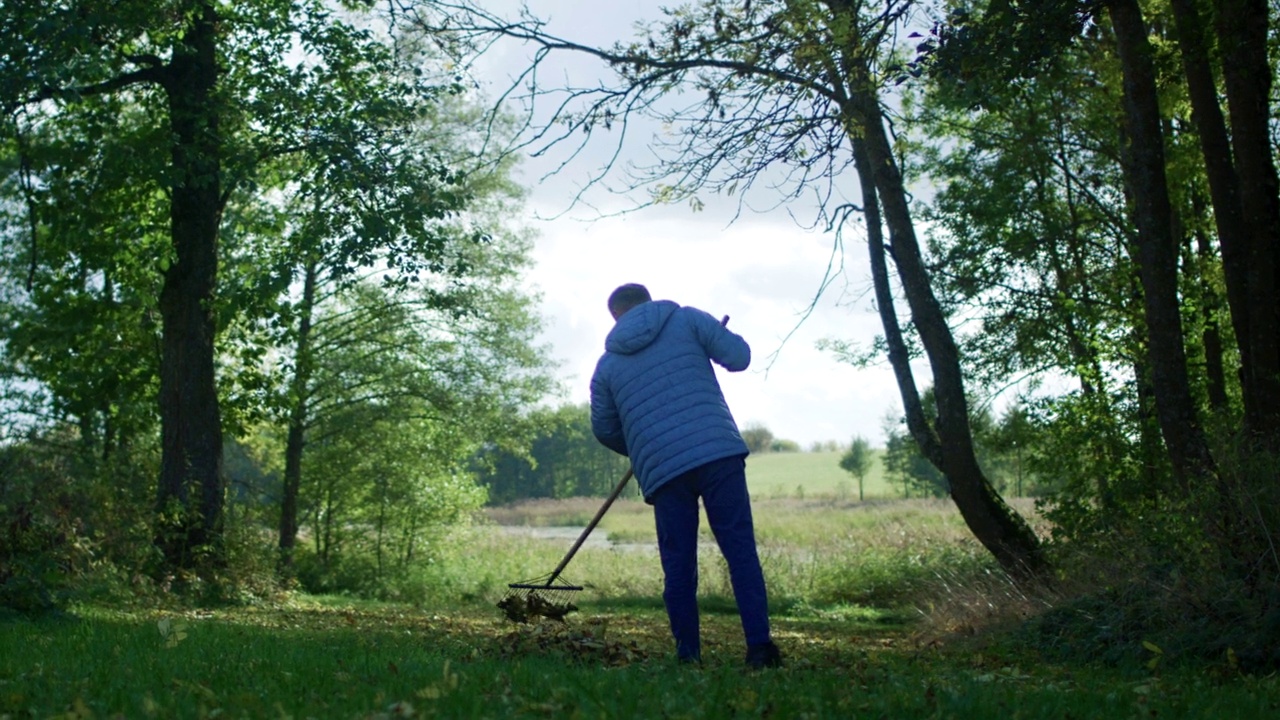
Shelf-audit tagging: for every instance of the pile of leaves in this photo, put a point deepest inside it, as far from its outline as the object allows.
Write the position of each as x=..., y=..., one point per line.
x=586, y=645
x=524, y=608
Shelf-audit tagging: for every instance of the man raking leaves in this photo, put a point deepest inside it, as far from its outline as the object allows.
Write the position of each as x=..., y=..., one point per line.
x=655, y=399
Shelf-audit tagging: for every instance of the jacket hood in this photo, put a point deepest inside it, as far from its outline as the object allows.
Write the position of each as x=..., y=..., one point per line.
x=639, y=327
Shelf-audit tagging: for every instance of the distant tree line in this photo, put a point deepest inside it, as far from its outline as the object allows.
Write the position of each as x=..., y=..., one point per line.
x=1009, y=451
x=760, y=439
x=563, y=459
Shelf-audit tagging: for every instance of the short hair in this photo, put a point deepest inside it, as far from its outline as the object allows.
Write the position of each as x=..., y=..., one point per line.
x=626, y=297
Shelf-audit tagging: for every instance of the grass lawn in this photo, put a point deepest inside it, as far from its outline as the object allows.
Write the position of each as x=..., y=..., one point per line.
x=812, y=474
x=857, y=592
x=327, y=658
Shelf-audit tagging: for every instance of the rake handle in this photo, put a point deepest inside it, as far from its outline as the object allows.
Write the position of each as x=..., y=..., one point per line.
x=590, y=526
x=599, y=513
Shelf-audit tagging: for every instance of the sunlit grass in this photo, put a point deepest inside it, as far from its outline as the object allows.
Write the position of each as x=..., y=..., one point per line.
x=893, y=554
x=322, y=658
x=807, y=475
x=847, y=582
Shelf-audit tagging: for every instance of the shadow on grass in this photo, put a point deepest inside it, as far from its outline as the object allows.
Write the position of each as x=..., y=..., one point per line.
x=781, y=610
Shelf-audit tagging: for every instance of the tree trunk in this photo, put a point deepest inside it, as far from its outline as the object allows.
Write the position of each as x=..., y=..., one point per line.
x=381, y=529
x=1242, y=37
x=112, y=391
x=1157, y=255
x=950, y=447
x=191, y=427
x=1215, y=370
x=1224, y=187
x=300, y=394
x=1001, y=530
x=899, y=357
x=1069, y=280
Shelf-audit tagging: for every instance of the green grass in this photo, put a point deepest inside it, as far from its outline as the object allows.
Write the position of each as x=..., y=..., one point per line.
x=812, y=474
x=326, y=661
x=814, y=552
x=877, y=606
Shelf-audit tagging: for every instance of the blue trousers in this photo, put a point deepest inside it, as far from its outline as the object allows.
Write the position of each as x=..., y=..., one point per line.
x=722, y=485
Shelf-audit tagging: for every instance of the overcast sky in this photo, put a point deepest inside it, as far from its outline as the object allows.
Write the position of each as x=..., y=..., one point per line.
x=763, y=270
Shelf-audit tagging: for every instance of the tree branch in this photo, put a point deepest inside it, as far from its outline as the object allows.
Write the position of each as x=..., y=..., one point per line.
x=158, y=75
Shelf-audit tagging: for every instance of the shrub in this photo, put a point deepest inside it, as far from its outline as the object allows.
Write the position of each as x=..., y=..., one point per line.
x=1197, y=574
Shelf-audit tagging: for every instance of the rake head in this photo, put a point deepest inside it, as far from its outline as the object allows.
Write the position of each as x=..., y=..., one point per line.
x=547, y=597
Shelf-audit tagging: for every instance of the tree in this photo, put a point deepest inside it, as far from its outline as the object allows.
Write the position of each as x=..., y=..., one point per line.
x=66, y=71
x=792, y=98
x=759, y=439
x=902, y=458
x=563, y=460
x=1014, y=438
x=1032, y=240
x=1241, y=28
x=1180, y=423
x=402, y=396
x=472, y=259
x=857, y=461
x=1177, y=198
x=225, y=99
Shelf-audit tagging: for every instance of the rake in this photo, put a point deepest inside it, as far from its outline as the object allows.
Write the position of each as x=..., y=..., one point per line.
x=549, y=596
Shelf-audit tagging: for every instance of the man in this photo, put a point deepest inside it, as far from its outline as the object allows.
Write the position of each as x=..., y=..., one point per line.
x=655, y=399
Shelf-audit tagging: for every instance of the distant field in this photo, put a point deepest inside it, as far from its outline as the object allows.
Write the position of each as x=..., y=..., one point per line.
x=809, y=474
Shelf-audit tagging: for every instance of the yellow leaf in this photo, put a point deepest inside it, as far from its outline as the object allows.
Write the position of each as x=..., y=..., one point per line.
x=1152, y=647
x=402, y=709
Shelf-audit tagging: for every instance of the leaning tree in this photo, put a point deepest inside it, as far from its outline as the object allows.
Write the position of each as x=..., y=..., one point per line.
x=788, y=94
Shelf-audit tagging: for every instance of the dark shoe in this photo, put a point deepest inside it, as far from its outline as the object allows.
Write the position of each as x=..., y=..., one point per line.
x=690, y=660
x=764, y=655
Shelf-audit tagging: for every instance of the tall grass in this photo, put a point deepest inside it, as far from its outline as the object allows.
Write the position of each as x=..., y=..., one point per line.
x=816, y=554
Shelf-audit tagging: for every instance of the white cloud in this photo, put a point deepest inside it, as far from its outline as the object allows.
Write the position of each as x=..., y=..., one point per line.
x=763, y=274
x=763, y=269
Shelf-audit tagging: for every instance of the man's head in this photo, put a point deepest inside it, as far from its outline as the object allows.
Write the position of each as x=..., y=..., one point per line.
x=626, y=297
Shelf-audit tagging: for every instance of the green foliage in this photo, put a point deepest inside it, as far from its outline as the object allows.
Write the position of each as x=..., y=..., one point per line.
x=987, y=44
x=68, y=525
x=401, y=396
x=330, y=144
x=563, y=460
x=759, y=438
x=781, y=445
x=904, y=464
x=1194, y=587
x=857, y=461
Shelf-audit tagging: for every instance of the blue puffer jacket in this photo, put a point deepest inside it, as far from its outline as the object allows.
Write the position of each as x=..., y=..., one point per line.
x=654, y=396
